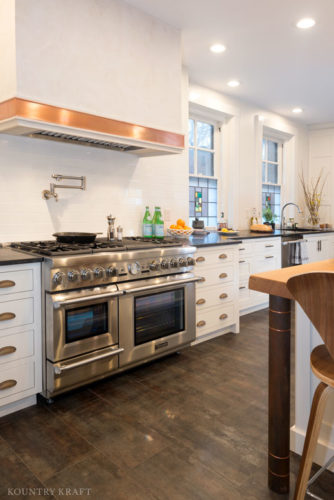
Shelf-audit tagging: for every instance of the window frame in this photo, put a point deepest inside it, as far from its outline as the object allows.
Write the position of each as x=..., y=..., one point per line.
x=216, y=150
x=280, y=156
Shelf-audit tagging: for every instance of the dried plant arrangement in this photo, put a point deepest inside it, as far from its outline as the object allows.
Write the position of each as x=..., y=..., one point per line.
x=313, y=191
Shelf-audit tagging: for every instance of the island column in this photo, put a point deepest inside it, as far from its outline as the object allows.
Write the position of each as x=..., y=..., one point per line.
x=279, y=394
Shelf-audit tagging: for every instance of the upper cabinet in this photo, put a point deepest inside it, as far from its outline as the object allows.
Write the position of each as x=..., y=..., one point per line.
x=103, y=61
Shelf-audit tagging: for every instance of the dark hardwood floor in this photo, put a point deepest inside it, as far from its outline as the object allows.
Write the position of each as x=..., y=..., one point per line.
x=188, y=427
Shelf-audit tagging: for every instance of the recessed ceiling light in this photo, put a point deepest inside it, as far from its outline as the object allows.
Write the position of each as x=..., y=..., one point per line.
x=305, y=23
x=193, y=96
x=217, y=48
x=297, y=110
x=261, y=118
x=233, y=83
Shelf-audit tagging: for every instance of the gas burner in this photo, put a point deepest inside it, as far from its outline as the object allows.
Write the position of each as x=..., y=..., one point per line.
x=53, y=248
x=167, y=241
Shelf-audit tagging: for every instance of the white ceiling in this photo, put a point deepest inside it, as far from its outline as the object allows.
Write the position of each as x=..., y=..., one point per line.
x=278, y=65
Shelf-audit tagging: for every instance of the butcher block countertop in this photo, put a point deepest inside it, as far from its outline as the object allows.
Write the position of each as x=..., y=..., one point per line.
x=274, y=282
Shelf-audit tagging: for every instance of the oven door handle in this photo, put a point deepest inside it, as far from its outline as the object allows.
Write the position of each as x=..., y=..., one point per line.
x=62, y=368
x=59, y=303
x=162, y=285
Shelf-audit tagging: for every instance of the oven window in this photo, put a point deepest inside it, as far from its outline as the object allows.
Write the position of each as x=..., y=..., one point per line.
x=158, y=315
x=84, y=322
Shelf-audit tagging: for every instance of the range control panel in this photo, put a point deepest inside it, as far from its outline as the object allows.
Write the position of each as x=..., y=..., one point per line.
x=89, y=274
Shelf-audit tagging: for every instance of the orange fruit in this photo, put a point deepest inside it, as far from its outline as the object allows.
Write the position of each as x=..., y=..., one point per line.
x=187, y=227
x=180, y=222
x=179, y=227
x=172, y=226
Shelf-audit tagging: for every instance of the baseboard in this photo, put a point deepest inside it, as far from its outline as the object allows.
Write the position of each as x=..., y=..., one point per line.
x=213, y=335
x=249, y=310
x=18, y=405
x=323, y=452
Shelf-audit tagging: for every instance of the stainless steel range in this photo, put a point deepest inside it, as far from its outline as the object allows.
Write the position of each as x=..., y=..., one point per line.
x=109, y=306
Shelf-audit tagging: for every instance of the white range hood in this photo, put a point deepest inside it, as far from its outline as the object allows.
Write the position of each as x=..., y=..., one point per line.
x=93, y=76
x=41, y=121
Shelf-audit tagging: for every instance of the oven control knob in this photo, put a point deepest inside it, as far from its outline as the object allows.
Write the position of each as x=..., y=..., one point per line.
x=111, y=271
x=73, y=275
x=190, y=261
x=98, y=272
x=134, y=268
x=174, y=263
x=164, y=264
x=58, y=278
x=154, y=266
x=182, y=262
x=86, y=274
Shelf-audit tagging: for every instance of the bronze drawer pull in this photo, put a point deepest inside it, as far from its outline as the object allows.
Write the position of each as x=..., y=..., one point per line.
x=240, y=249
x=223, y=296
x=223, y=316
x=223, y=275
x=241, y=287
x=241, y=261
x=9, y=349
x=269, y=246
x=7, y=384
x=201, y=280
x=7, y=283
x=223, y=256
x=269, y=257
x=200, y=301
x=7, y=316
x=201, y=323
x=200, y=259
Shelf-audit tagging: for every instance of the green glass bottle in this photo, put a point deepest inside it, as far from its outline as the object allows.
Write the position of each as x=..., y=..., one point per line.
x=147, y=224
x=158, y=224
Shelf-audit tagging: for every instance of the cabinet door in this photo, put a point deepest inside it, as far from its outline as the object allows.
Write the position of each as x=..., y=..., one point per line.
x=326, y=246
x=313, y=249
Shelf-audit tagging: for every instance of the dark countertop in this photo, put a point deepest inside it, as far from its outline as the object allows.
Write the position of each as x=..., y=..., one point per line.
x=216, y=239
x=8, y=256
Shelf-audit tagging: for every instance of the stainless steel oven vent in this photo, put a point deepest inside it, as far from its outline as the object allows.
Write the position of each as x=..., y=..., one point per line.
x=83, y=141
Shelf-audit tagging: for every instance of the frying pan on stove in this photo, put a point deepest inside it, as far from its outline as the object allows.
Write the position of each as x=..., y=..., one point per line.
x=76, y=237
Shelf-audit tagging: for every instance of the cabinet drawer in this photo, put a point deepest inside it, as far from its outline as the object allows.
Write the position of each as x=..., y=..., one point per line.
x=213, y=257
x=16, y=346
x=16, y=313
x=265, y=246
x=15, y=379
x=244, y=267
x=215, y=319
x=214, y=296
x=215, y=275
x=268, y=263
x=245, y=249
x=16, y=281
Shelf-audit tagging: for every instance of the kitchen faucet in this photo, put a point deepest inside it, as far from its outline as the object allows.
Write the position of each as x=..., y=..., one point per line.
x=282, y=212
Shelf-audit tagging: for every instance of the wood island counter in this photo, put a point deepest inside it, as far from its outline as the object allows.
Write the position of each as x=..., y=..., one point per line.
x=274, y=284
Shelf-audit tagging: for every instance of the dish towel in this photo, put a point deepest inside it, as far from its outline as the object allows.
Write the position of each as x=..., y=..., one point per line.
x=298, y=253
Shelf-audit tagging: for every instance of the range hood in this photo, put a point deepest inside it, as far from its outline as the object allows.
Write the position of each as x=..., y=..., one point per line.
x=42, y=121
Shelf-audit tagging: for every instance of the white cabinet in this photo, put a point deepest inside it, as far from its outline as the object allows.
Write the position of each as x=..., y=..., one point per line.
x=217, y=308
x=256, y=255
x=319, y=246
x=20, y=336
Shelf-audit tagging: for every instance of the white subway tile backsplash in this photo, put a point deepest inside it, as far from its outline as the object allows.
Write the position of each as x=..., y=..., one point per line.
x=117, y=183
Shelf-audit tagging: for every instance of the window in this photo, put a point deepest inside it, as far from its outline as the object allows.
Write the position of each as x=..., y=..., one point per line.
x=271, y=177
x=203, y=183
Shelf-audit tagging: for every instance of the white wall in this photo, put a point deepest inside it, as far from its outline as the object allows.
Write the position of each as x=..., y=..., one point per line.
x=7, y=50
x=321, y=159
x=100, y=56
x=116, y=182
x=243, y=159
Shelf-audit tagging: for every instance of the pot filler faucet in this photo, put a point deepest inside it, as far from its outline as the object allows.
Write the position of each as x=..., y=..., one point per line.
x=282, y=213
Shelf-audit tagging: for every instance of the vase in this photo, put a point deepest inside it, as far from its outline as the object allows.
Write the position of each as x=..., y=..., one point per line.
x=313, y=219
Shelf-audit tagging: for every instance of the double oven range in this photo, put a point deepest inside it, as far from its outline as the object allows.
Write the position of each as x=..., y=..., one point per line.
x=109, y=306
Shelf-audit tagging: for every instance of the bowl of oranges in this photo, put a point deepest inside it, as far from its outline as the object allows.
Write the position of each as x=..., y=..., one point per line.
x=180, y=229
